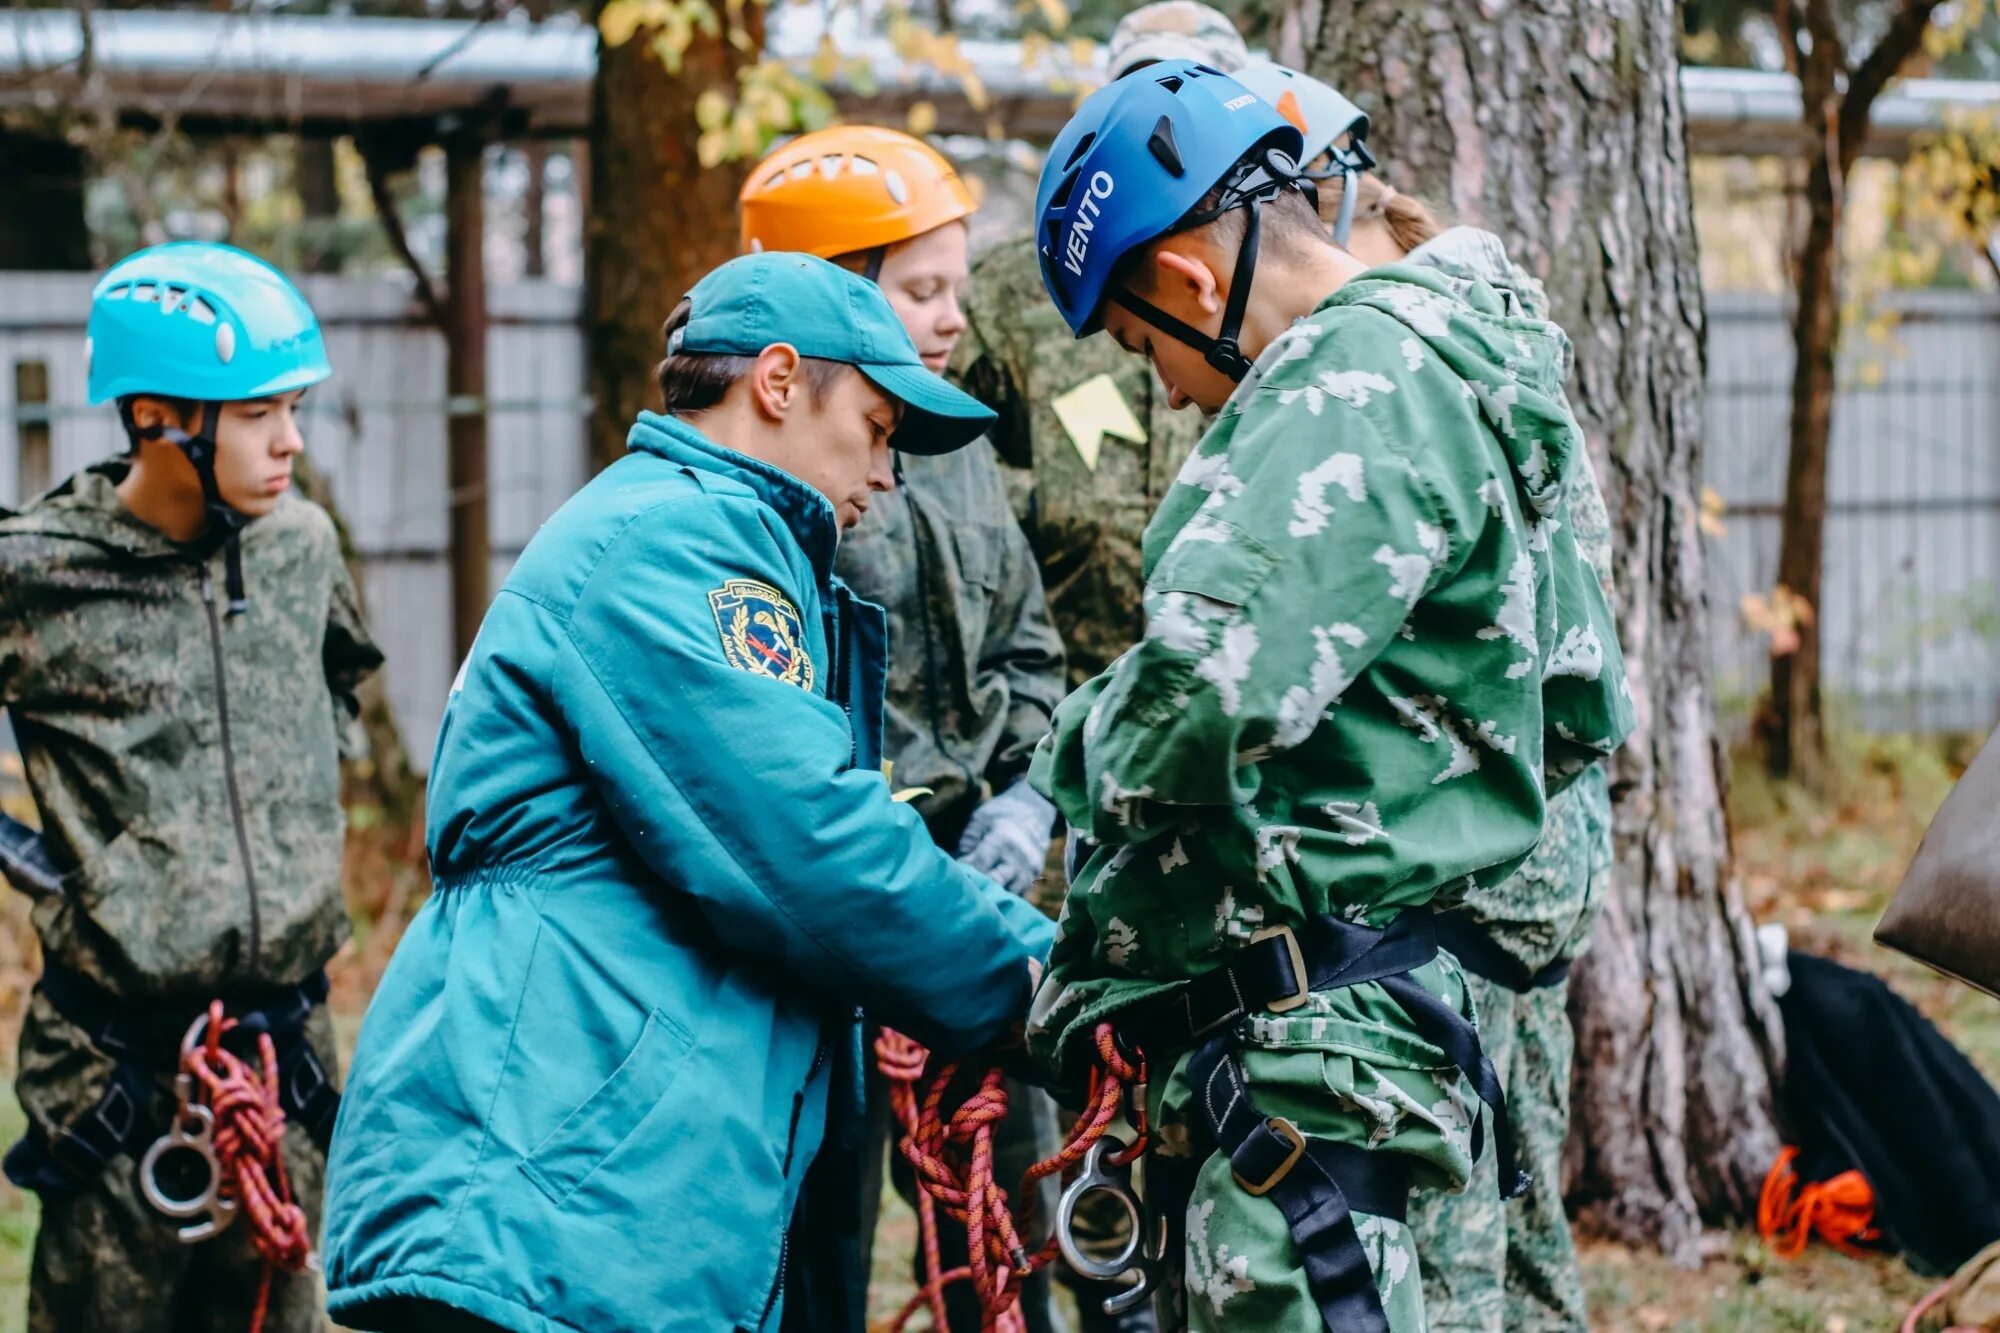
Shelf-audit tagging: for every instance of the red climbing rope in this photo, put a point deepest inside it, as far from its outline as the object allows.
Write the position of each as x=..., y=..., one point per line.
x=1840, y=1210
x=249, y=1131
x=952, y=1155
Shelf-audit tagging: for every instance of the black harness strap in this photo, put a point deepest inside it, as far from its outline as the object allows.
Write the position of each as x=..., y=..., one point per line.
x=146, y=1045
x=1317, y=1185
x=1479, y=955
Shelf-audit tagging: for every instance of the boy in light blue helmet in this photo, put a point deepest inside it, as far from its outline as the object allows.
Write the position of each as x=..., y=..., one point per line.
x=612, y=1077
x=1372, y=652
x=179, y=650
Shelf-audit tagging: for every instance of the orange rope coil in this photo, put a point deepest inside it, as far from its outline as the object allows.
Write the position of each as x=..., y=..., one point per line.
x=249, y=1132
x=1841, y=1210
x=951, y=1153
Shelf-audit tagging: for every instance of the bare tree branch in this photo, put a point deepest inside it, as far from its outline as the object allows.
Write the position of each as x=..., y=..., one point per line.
x=399, y=239
x=488, y=11
x=1786, y=22
x=1900, y=40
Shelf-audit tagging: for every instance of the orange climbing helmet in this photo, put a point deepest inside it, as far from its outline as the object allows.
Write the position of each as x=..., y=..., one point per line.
x=849, y=189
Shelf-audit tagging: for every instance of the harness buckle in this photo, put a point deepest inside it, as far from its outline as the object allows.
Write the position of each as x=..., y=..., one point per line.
x=1289, y=1132
x=1284, y=1004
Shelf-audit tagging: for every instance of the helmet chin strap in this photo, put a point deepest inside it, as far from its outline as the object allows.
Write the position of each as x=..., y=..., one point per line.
x=1256, y=186
x=225, y=524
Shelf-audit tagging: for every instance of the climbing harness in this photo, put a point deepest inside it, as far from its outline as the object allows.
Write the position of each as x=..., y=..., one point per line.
x=227, y=1113
x=952, y=1156
x=1318, y=1185
x=145, y=1046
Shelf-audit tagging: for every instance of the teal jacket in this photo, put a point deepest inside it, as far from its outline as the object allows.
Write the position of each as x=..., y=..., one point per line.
x=668, y=872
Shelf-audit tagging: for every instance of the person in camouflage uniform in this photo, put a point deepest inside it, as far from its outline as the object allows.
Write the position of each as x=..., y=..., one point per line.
x=975, y=667
x=1488, y=1264
x=1373, y=649
x=1087, y=435
x=180, y=687
x=1510, y=1267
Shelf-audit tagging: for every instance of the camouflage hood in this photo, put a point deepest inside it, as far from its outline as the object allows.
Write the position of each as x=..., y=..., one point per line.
x=1468, y=254
x=1513, y=364
x=184, y=762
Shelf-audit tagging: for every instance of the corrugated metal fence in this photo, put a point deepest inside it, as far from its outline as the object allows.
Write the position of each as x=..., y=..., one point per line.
x=1910, y=607
x=1912, y=613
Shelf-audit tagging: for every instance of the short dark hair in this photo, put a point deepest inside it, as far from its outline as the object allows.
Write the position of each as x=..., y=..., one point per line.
x=693, y=382
x=1287, y=219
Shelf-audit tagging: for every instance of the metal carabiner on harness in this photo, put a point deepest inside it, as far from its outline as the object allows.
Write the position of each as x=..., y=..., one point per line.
x=1144, y=1247
x=216, y=1212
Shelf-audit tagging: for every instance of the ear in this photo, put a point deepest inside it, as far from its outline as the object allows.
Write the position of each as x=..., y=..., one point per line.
x=1187, y=278
x=775, y=381
x=149, y=414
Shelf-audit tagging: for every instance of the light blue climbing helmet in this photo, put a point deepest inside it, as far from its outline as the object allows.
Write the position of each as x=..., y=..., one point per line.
x=1324, y=117
x=1132, y=165
x=192, y=319
x=207, y=322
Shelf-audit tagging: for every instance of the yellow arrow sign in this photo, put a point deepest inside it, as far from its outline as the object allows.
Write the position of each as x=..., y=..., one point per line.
x=1093, y=410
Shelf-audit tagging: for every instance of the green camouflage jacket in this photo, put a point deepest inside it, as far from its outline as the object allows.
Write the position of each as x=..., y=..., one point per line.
x=1546, y=911
x=1372, y=648
x=185, y=762
x=1089, y=444
x=975, y=668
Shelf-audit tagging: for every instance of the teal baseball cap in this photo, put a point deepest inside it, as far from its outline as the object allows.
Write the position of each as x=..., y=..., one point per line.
x=830, y=314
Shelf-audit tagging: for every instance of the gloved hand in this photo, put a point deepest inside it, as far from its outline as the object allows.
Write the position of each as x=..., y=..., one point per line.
x=1007, y=839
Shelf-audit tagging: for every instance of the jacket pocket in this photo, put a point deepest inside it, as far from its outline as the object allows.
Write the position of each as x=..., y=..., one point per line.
x=592, y=1132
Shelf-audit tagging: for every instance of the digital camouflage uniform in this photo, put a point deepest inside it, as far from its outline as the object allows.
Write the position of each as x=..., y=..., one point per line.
x=975, y=671
x=975, y=668
x=164, y=742
x=1371, y=647
x=1085, y=491
x=1491, y=1266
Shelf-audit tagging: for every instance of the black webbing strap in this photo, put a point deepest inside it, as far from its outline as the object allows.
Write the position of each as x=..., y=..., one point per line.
x=1478, y=954
x=1281, y=967
x=146, y=1044
x=1332, y=953
x=1317, y=1185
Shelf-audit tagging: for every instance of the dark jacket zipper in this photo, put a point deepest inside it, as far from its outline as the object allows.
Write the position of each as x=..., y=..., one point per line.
x=229, y=763
x=791, y=1146
x=836, y=686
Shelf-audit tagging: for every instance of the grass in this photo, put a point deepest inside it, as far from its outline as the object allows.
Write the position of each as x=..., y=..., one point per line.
x=1824, y=866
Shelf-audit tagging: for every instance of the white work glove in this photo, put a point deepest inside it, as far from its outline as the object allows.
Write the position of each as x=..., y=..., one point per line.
x=1007, y=839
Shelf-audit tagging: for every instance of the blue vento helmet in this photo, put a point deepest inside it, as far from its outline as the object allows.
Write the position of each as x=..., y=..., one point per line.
x=192, y=319
x=1131, y=166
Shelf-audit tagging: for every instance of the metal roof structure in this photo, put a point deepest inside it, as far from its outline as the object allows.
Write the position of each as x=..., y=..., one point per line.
x=249, y=71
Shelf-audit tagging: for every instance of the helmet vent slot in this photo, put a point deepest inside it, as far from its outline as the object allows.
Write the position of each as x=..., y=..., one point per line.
x=1163, y=148
x=1076, y=153
x=1172, y=83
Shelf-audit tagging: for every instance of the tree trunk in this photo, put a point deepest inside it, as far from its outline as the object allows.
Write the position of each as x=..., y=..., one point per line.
x=1558, y=124
x=42, y=227
x=534, y=207
x=319, y=201
x=1794, y=739
x=465, y=383
x=657, y=219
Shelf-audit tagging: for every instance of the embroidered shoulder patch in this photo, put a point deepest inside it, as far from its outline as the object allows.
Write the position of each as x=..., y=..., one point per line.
x=761, y=632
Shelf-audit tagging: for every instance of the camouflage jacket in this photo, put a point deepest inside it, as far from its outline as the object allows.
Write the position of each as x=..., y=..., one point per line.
x=1546, y=910
x=1089, y=443
x=1372, y=648
x=184, y=762
x=975, y=669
